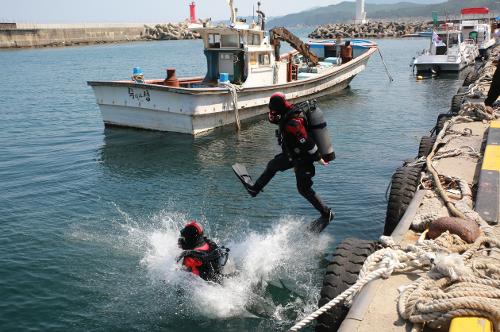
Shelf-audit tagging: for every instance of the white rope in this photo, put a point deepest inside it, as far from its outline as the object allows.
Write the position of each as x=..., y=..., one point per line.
x=385, y=66
x=234, y=99
x=388, y=264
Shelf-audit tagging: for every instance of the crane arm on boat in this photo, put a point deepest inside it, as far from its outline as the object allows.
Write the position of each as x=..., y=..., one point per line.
x=283, y=34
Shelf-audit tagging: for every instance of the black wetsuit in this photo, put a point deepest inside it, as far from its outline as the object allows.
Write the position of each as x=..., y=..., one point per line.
x=300, y=152
x=494, y=91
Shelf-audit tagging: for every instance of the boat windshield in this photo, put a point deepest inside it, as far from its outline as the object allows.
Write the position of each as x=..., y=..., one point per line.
x=450, y=39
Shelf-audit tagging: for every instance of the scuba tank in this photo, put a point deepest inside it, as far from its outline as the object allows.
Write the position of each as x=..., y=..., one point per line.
x=317, y=128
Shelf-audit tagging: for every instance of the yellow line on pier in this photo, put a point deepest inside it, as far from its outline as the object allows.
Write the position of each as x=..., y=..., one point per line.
x=495, y=124
x=491, y=160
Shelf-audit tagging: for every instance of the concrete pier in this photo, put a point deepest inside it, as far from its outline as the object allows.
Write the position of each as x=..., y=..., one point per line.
x=14, y=35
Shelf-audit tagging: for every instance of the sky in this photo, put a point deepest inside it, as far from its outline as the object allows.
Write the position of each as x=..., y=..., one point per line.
x=136, y=11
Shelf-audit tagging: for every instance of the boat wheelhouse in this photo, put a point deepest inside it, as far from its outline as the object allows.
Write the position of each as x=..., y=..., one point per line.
x=478, y=25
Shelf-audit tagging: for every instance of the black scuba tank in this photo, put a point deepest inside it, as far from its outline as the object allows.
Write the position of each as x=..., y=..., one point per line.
x=318, y=130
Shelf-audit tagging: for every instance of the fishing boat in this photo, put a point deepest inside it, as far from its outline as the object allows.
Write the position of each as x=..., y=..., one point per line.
x=479, y=27
x=244, y=67
x=448, y=52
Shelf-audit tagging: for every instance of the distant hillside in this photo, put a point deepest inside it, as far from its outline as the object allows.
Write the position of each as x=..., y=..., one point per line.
x=396, y=1
x=344, y=11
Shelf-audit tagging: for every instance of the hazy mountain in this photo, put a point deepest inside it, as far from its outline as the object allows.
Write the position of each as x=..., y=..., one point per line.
x=396, y=1
x=345, y=11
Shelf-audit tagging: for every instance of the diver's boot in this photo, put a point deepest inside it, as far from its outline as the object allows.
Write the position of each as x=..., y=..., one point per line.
x=318, y=225
x=252, y=190
x=329, y=215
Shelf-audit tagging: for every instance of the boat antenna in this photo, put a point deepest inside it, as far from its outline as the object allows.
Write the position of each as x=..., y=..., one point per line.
x=253, y=13
x=233, y=13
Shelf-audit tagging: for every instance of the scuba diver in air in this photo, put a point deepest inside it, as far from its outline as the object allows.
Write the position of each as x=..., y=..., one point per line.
x=201, y=256
x=304, y=140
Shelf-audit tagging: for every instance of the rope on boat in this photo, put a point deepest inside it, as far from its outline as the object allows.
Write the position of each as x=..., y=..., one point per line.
x=385, y=66
x=233, y=90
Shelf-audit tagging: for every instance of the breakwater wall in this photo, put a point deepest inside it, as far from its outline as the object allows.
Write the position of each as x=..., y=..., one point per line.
x=370, y=30
x=47, y=35
x=170, y=31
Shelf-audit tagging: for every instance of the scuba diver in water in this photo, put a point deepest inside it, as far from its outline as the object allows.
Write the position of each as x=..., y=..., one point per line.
x=299, y=151
x=201, y=256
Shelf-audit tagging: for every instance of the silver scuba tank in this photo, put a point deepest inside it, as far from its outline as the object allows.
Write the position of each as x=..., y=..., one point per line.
x=319, y=132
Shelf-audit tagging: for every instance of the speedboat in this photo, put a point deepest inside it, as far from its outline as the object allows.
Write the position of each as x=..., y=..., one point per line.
x=448, y=52
x=244, y=67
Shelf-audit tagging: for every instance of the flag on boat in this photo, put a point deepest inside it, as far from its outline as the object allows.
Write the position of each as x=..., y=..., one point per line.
x=437, y=40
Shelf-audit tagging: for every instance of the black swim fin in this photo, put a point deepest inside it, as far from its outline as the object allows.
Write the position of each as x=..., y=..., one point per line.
x=318, y=225
x=242, y=174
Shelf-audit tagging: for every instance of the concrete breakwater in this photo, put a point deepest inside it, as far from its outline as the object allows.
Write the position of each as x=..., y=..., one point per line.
x=369, y=30
x=47, y=35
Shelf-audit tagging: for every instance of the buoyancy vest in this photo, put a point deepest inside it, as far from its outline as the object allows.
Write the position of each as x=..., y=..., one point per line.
x=211, y=260
x=315, y=126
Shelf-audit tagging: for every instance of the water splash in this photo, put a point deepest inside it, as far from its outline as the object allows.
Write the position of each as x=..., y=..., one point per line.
x=263, y=262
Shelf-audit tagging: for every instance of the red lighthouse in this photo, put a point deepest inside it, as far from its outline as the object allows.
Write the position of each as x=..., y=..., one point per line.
x=192, y=12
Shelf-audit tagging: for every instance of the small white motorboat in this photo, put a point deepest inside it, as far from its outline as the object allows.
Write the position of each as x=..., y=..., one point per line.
x=448, y=52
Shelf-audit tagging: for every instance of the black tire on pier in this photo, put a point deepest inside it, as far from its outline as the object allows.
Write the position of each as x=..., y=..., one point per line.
x=470, y=78
x=425, y=147
x=341, y=273
x=404, y=184
x=441, y=120
x=456, y=103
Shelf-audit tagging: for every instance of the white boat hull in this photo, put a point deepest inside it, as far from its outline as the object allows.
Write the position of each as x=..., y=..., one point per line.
x=195, y=111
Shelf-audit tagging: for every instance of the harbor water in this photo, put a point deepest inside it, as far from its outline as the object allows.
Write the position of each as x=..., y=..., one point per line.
x=89, y=216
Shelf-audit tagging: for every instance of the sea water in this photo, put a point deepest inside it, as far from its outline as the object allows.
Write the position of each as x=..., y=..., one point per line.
x=89, y=216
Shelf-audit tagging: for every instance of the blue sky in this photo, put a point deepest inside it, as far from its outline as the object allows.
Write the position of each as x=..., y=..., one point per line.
x=97, y=11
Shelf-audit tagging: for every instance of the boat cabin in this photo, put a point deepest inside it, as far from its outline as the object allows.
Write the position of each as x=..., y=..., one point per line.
x=241, y=51
x=449, y=39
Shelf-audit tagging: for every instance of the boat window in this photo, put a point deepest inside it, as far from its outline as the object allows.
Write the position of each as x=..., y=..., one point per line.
x=226, y=56
x=264, y=59
x=231, y=40
x=253, y=39
x=213, y=40
x=453, y=39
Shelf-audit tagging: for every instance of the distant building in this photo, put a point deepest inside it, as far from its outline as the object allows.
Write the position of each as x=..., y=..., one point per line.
x=360, y=12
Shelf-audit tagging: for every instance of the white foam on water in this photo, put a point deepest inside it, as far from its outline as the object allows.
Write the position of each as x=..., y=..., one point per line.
x=283, y=252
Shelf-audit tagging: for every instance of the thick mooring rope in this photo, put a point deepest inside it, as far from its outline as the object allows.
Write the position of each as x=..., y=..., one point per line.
x=474, y=293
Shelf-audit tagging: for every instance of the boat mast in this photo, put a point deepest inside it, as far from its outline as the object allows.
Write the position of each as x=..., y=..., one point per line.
x=233, y=12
